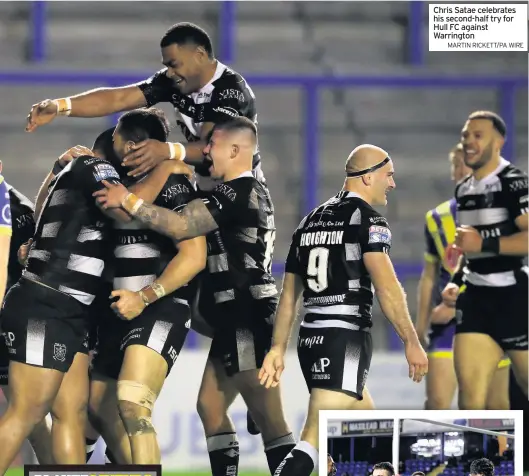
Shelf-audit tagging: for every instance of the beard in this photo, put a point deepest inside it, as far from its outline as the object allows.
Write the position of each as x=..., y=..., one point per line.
x=483, y=160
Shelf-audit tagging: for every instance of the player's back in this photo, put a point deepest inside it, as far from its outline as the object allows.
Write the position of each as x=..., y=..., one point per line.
x=240, y=252
x=327, y=250
x=142, y=254
x=71, y=238
x=22, y=210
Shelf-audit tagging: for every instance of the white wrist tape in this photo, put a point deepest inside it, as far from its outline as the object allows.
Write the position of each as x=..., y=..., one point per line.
x=64, y=106
x=172, y=149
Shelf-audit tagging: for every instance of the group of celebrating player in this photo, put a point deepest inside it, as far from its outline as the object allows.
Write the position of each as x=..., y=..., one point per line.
x=122, y=254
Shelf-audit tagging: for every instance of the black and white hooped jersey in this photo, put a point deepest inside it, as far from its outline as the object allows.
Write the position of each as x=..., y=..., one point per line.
x=23, y=223
x=227, y=95
x=71, y=240
x=141, y=255
x=491, y=205
x=327, y=253
x=240, y=251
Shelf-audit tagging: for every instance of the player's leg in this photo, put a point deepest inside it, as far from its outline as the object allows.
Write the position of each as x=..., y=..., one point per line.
x=498, y=394
x=335, y=363
x=151, y=349
x=519, y=360
x=215, y=396
x=91, y=436
x=69, y=414
x=441, y=382
x=139, y=384
x=244, y=348
x=41, y=351
x=26, y=407
x=103, y=414
x=40, y=437
x=476, y=353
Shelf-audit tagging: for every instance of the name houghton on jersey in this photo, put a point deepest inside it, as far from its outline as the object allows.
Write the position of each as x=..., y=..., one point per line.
x=321, y=238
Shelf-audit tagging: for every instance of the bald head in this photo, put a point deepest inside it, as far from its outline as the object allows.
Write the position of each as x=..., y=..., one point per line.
x=363, y=157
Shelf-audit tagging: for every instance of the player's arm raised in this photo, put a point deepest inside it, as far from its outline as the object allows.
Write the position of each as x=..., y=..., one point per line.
x=94, y=103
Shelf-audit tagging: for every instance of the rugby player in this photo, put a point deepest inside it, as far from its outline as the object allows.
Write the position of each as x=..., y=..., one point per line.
x=23, y=228
x=238, y=219
x=151, y=286
x=202, y=90
x=491, y=315
x=338, y=258
x=435, y=320
x=383, y=469
x=481, y=467
x=45, y=312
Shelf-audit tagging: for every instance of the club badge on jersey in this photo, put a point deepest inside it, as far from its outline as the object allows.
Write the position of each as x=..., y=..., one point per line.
x=379, y=234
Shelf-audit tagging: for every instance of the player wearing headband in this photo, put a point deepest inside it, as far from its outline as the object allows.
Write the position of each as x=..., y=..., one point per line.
x=338, y=258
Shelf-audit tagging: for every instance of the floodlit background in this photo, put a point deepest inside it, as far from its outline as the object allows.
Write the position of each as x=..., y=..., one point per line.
x=327, y=76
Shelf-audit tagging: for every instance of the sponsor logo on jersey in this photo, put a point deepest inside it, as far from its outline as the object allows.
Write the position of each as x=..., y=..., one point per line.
x=104, y=172
x=232, y=94
x=229, y=111
x=174, y=190
x=379, y=234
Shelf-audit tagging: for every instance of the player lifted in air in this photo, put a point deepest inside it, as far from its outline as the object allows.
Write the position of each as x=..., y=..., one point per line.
x=338, y=260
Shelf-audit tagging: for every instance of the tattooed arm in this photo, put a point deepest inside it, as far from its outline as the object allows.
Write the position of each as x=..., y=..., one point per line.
x=191, y=221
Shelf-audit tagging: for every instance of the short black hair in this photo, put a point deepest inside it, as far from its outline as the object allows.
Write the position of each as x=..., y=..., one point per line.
x=104, y=143
x=482, y=466
x=187, y=34
x=144, y=123
x=237, y=124
x=497, y=122
x=386, y=466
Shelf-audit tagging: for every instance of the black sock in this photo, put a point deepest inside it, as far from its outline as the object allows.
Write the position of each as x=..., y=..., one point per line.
x=223, y=452
x=301, y=461
x=277, y=450
x=90, y=448
x=109, y=457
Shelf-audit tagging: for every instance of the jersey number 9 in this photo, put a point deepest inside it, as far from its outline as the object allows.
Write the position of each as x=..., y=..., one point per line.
x=317, y=269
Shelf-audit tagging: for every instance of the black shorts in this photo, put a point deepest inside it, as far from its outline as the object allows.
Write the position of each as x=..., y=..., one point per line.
x=43, y=327
x=4, y=362
x=500, y=313
x=335, y=358
x=242, y=333
x=162, y=326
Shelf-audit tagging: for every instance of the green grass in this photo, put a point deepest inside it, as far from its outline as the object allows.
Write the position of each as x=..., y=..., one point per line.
x=20, y=472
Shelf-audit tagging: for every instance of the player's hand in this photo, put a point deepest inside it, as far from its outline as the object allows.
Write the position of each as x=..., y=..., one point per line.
x=273, y=366
x=450, y=294
x=111, y=196
x=417, y=361
x=41, y=113
x=23, y=252
x=442, y=314
x=177, y=167
x=73, y=153
x=468, y=239
x=129, y=305
x=146, y=155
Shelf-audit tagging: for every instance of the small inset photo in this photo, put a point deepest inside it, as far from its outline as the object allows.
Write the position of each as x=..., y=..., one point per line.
x=421, y=443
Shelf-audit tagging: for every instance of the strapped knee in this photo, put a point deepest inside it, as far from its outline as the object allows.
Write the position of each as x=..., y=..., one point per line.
x=137, y=393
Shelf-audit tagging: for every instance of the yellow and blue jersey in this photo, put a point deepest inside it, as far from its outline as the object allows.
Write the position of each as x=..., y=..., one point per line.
x=440, y=233
x=5, y=207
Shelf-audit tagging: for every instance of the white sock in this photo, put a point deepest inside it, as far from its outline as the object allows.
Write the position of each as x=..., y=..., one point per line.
x=308, y=449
